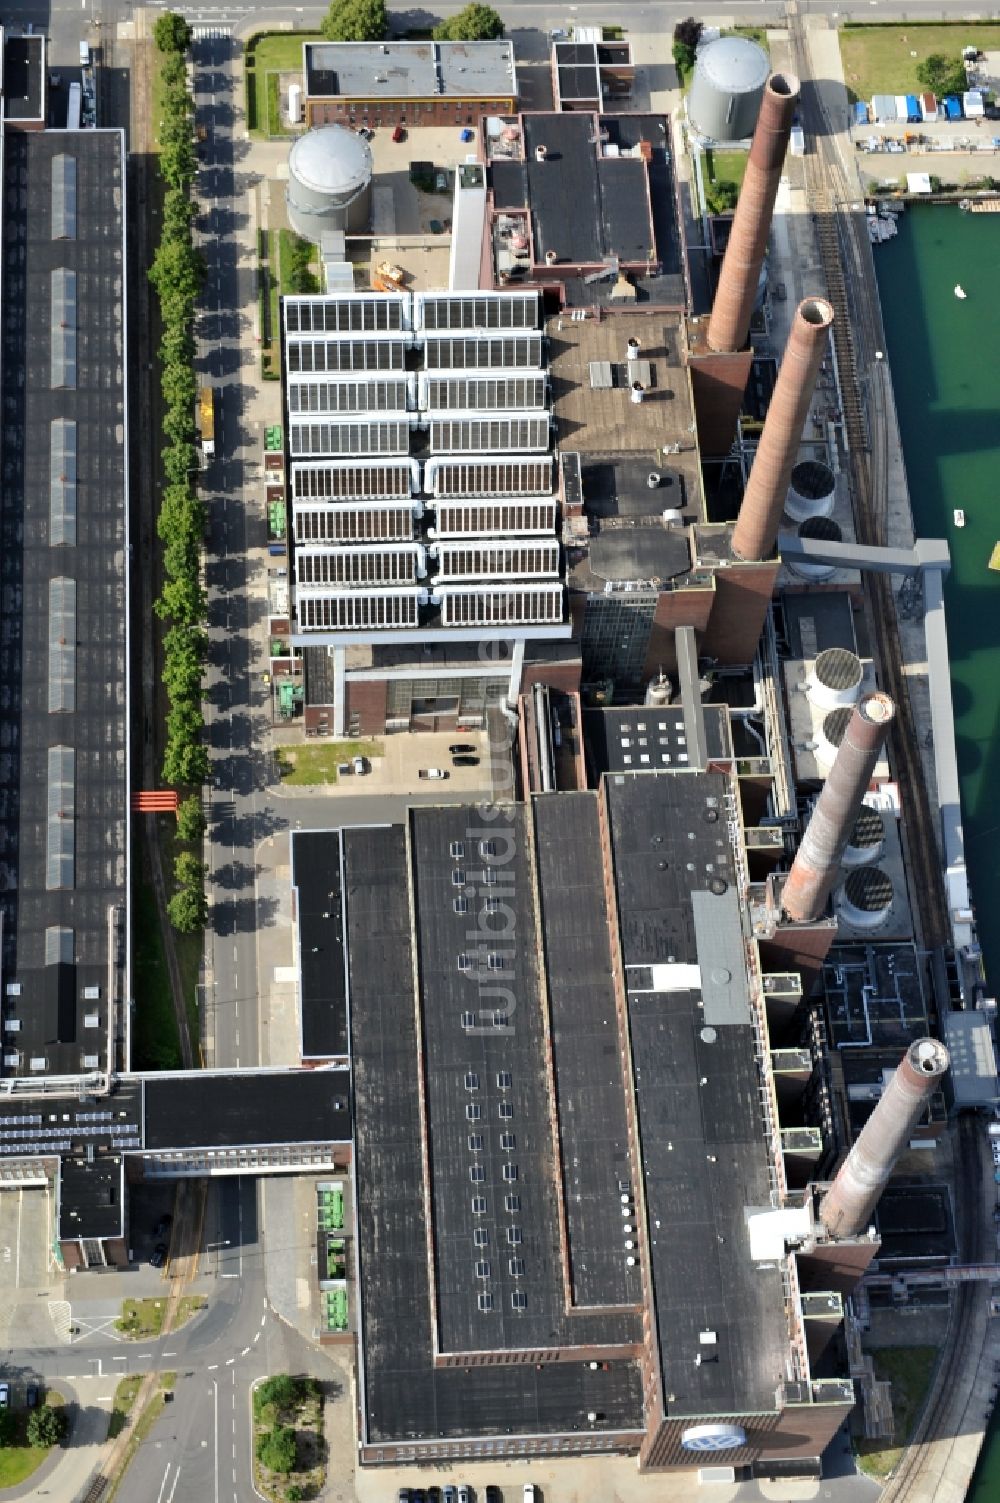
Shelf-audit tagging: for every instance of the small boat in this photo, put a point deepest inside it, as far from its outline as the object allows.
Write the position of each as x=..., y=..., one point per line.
x=959, y=517
x=960, y=292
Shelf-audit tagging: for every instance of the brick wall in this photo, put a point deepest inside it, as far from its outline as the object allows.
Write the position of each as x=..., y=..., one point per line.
x=742, y=595
x=718, y=383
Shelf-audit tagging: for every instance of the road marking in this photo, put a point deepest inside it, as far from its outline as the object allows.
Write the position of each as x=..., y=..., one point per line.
x=167, y=1354
x=263, y=1320
x=256, y=1338
x=229, y=1275
x=177, y=1478
x=245, y=1352
x=230, y=1361
x=163, y=1484
x=105, y=1398
x=212, y=1367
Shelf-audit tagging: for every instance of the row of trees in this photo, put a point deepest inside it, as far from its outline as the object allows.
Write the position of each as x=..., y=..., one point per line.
x=368, y=21
x=45, y=1427
x=177, y=274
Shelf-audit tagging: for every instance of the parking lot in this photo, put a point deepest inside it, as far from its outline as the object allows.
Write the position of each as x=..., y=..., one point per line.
x=25, y=1239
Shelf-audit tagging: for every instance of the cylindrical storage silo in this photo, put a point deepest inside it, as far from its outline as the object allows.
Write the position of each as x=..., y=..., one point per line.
x=811, y=492
x=727, y=88
x=835, y=679
x=867, y=840
x=822, y=530
x=865, y=899
x=329, y=183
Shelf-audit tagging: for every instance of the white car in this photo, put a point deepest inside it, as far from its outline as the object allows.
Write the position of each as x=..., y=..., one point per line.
x=529, y=1492
x=431, y=772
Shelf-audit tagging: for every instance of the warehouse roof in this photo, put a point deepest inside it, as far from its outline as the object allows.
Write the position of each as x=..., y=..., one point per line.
x=696, y=1079
x=64, y=602
x=410, y=70
x=316, y=880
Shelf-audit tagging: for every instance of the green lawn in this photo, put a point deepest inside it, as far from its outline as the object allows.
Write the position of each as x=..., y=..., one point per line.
x=317, y=762
x=264, y=58
x=141, y=1318
x=909, y=1369
x=190, y=947
x=121, y=1406
x=884, y=59
x=723, y=167
x=18, y=1460
x=154, y=1030
x=755, y=33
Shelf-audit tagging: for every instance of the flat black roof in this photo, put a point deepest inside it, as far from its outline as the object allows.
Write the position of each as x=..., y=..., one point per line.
x=64, y=358
x=816, y=620
x=23, y=74
x=488, y=1109
x=875, y=995
x=696, y=1083
x=916, y=1225
x=405, y=1396
x=590, y=1090
x=92, y=1197
x=210, y=1109
x=589, y=206
x=649, y=739
x=322, y=964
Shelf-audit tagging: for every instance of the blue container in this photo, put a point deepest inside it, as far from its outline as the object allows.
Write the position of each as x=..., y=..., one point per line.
x=860, y=113
x=913, y=111
x=953, y=107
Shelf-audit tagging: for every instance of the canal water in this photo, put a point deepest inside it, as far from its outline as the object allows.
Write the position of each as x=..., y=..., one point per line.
x=945, y=357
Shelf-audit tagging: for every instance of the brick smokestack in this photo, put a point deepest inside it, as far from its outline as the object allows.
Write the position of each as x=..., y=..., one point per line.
x=817, y=861
x=767, y=488
x=847, y=1206
x=738, y=281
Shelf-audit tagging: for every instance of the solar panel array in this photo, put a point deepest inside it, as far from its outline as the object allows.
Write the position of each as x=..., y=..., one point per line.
x=493, y=414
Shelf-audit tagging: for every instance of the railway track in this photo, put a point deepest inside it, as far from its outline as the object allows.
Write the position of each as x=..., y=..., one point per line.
x=857, y=333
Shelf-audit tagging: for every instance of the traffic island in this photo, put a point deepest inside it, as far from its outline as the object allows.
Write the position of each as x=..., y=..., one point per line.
x=289, y=1450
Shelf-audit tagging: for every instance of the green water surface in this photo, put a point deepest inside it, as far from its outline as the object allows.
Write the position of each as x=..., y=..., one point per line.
x=945, y=358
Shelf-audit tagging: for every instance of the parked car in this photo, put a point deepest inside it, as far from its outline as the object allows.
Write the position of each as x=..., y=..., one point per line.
x=163, y=1226
x=418, y=1495
x=403, y=1496
x=432, y=772
x=433, y=1495
x=441, y=182
x=466, y=761
x=399, y=133
x=361, y=765
x=159, y=1255
x=31, y=1395
x=493, y=1494
x=4, y=1395
x=530, y=1496
x=460, y=747
x=464, y=1495
x=449, y=1495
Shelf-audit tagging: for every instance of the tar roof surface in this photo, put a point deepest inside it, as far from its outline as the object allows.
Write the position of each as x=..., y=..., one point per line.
x=817, y=620
x=213, y=1110
x=590, y=1093
x=405, y=1397
x=23, y=58
x=464, y=1065
x=650, y=739
x=401, y=70
x=52, y=1007
x=700, y=1124
x=322, y=964
x=875, y=995
x=91, y=1197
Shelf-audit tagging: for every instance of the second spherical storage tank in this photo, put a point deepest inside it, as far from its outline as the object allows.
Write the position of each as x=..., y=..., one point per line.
x=727, y=88
x=329, y=183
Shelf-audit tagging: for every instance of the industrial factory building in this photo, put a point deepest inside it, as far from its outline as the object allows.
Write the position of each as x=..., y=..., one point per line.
x=407, y=83
x=583, y=1224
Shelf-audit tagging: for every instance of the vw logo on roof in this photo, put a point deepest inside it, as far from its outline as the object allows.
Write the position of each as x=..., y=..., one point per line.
x=713, y=1438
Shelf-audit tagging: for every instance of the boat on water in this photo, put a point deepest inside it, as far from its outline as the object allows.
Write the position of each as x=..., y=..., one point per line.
x=994, y=562
x=959, y=517
x=960, y=292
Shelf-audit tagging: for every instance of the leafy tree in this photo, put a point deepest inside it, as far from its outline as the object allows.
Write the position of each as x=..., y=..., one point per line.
x=688, y=32
x=683, y=57
x=294, y=1493
x=722, y=196
x=476, y=23
x=942, y=75
x=282, y=1391
x=276, y=1449
x=188, y=870
x=356, y=21
x=179, y=463
x=185, y=763
x=46, y=1427
x=173, y=71
x=176, y=272
x=187, y=911
x=191, y=822
x=178, y=213
x=172, y=33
